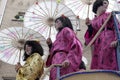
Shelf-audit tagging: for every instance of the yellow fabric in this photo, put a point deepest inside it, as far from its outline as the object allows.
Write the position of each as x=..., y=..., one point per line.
x=32, y=69
x=58, y=1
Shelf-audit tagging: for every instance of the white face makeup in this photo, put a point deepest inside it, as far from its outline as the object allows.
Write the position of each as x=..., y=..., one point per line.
x=58, y=24
x=28, y=49
x=105, y=5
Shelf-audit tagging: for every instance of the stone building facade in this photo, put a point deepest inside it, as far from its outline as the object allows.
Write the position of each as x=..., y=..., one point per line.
x=7, y=71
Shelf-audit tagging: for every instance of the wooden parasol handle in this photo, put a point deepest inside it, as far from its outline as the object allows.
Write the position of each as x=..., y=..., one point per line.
x=97, y=34
x=88, y=9
x=19, y=56
x=50, y=32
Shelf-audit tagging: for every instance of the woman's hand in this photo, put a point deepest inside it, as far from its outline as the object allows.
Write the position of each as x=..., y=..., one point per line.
x=17, y=66
x=66, y=64
x=87, y=21
x=49, y=41
x=113, y=44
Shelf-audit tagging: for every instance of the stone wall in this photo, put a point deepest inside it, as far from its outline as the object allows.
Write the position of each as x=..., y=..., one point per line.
x=7, y=71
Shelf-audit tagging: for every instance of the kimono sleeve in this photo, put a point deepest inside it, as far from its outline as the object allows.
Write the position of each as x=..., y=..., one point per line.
x=90, y=33
x=74, y=47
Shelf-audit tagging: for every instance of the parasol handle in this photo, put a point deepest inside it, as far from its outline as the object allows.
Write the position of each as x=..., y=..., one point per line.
x=88, y=9
x=88, y=12
x=19, y=56
x=50, y=32
x=97, y=34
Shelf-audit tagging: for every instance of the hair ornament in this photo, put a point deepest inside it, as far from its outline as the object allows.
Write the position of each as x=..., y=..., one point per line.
x=63, y=16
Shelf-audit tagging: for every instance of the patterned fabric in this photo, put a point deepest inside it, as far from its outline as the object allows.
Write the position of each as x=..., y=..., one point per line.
x=103, y=55
x=32, y=69
x=66, y=47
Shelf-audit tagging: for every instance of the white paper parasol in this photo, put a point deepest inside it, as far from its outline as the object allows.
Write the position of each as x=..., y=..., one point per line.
x=41, y=16
x=83, y=8
x=12, y=41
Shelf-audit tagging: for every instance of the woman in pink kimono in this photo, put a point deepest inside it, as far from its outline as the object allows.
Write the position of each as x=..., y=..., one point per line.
x=103, y=53
x=66, y=50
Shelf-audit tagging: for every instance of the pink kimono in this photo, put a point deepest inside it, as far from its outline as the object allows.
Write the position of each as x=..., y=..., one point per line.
x=103, y=55
x=66, y=47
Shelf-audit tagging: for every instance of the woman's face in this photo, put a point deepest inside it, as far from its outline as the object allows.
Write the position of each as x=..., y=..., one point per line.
x=58, y=24
x=28, y=49
x=104, y=7
x=105, y=4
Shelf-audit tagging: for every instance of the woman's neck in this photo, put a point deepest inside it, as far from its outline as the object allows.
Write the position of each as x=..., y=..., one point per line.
x=99, y=13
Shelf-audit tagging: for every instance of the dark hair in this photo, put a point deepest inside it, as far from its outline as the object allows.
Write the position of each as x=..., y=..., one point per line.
x=82, y=65
x=65, y=22
x=36, y=48
x=97, y=4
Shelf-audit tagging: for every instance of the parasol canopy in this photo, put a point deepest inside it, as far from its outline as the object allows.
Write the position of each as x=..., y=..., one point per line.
x=12, y=43
x=41, y=17
x=83, y=8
